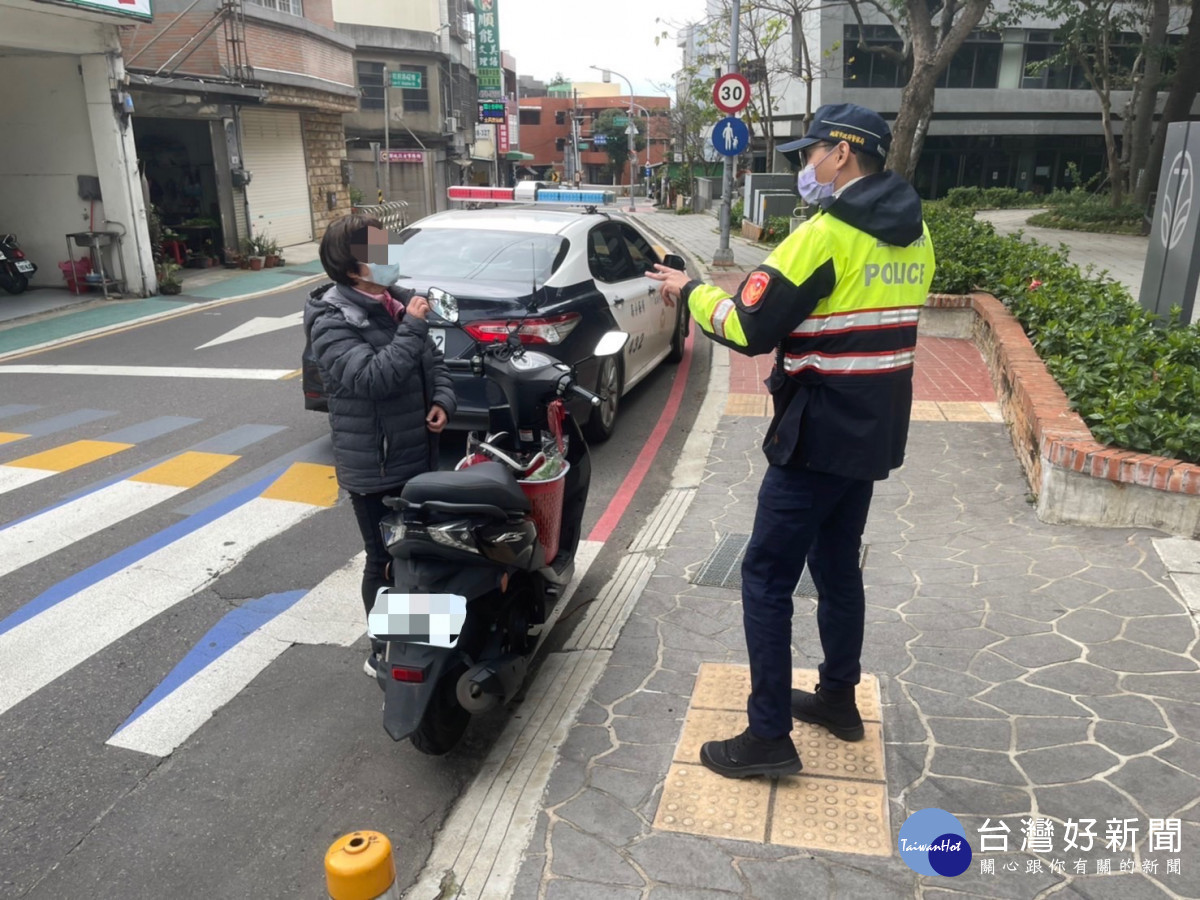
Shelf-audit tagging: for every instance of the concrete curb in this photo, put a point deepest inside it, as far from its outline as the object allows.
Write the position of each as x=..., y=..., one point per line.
x=67, y=340
x=1077, y=480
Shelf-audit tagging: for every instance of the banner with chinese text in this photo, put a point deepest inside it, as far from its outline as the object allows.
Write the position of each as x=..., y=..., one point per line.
x=487, y=50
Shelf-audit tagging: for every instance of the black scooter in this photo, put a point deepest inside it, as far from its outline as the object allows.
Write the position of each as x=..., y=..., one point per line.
x=478, y=558
x=15, y=267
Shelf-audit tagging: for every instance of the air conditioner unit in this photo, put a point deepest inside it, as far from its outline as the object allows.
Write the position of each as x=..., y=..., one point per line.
x=451, y=125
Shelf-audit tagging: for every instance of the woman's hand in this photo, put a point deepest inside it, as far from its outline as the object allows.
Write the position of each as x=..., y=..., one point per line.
x=417, y=306
x=436, y=420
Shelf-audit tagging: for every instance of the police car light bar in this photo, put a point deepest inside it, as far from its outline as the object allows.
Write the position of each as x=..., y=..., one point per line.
x=530, y=192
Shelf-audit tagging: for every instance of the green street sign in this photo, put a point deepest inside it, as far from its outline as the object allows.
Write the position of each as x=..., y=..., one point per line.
x=406, y=80
x=620, y=120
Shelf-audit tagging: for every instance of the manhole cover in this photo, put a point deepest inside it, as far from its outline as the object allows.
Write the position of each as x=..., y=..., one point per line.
x=723, y=568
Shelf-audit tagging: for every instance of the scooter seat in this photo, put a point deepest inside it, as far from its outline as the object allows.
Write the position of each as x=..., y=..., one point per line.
x=486, y=483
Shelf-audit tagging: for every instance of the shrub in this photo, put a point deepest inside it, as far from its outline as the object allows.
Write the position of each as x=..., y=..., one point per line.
x=990, y=198
x=776, y=229
x=736, y=213
x=1134, y=378
x=1081, y=211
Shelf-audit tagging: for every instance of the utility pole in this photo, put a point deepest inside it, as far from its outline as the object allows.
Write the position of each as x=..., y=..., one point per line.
x=630, y=131
x=724, y=255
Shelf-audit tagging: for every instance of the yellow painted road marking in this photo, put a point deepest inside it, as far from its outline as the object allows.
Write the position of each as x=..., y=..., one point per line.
x=69, y=456
x=305, y=483
x=291, y=375
x=187, y=469
x=7, y=437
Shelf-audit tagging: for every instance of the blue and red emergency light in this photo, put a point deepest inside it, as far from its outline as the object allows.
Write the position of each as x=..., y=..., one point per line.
x=530, y=192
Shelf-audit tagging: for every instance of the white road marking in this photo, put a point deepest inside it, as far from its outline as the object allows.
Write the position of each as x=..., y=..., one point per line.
x=256, y=326
x=41, y=649
x=331, y=613
x=149, y=372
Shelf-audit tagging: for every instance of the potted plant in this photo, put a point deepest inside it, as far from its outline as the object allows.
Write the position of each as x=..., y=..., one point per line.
x=270, y=250
x=251, y=254
x=168, y=279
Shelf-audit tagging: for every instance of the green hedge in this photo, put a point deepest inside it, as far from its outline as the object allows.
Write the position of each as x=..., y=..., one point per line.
x=1134, y=379
x=1081, y=211
x=990, y=198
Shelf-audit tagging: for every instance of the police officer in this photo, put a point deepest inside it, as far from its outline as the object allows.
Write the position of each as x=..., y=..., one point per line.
x=838, y=303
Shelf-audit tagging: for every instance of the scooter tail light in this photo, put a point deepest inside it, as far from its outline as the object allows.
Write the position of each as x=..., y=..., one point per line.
x=19, y=254
x=408, y=674
x=540, y=330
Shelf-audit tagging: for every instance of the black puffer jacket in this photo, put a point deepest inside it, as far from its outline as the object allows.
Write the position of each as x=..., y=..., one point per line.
x=381, y=377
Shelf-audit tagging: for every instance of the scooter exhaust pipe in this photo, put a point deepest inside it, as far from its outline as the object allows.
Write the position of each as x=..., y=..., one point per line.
x=487, y=683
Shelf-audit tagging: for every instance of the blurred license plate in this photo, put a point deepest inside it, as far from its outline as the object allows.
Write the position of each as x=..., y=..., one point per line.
x=24, y=265
x=434, y=619
x=439, y=338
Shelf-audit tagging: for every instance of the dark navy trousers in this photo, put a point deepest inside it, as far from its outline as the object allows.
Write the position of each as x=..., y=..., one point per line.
x=802, y=515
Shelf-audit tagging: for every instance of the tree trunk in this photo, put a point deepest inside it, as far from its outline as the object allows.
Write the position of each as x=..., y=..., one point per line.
x=1179, y=101
x=1138, y=135
x=1114, y=158
x=916, y=106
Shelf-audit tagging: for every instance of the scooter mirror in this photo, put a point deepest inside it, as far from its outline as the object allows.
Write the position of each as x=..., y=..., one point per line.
x=444, y=304
x=612, y=343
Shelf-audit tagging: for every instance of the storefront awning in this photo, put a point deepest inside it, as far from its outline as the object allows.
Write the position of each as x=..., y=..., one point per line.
x=217, y=90
x=517, y=156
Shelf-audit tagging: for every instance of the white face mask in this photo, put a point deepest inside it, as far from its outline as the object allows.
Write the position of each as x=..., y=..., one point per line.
x=811, y=190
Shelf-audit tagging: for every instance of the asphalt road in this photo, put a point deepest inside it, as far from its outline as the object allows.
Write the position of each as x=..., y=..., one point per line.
x=294, y=754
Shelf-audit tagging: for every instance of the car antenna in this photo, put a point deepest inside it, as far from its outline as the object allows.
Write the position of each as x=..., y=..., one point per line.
x=533, y=277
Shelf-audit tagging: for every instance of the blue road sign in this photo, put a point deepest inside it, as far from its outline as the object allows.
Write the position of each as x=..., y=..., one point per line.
x=730, y=136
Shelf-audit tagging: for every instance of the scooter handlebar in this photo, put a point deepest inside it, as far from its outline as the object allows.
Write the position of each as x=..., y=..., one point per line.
x=585, y=394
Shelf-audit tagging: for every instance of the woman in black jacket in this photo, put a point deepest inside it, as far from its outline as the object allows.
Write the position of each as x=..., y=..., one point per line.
x=388, y=388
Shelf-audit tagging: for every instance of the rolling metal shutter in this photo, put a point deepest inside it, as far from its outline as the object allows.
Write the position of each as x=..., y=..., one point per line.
x=278, y=189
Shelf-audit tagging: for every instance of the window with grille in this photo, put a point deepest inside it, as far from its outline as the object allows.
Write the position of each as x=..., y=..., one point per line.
x=293, y=7
x=370, y=85
x=416, y=99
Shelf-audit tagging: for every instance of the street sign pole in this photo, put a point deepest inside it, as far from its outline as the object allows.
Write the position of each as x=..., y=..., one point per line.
x=387, y=136
x=378, y=183
x=724, y=256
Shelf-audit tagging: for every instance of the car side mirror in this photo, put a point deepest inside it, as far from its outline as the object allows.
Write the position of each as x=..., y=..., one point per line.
x=674, y=261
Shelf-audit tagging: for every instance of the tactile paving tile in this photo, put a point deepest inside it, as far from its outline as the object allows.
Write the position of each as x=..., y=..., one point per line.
x=726, y=686
x=823, y=754
x=697, y=801
x=964, y=411
x=926, y=411
x=746, y=405
x=702, y=725
x=827, y=814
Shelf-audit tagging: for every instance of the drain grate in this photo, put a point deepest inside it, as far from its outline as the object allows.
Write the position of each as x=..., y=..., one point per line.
x=723, y=568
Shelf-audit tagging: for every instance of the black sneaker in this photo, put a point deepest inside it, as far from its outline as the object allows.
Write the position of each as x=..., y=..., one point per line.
x=747, y=755
x=835, y=711
x=375, y=660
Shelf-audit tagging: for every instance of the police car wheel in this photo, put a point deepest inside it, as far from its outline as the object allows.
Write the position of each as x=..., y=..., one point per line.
x=603, y=421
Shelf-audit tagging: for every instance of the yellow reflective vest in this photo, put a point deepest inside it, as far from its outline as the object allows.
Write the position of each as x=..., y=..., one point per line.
x=838, y=302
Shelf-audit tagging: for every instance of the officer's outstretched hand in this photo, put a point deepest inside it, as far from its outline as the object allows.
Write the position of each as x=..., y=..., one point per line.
x=671, y=282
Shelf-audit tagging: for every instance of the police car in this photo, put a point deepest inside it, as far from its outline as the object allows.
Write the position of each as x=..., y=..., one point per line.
x=558, y=266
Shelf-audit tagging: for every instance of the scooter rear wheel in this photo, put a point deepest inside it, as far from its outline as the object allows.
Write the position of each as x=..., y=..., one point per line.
x=13, y=282
x=445, y=721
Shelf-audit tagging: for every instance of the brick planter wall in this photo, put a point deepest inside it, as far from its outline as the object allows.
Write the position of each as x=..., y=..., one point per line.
x=1075, y=478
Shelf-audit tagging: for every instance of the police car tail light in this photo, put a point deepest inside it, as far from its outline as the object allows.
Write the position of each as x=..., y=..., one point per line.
x=540, y=330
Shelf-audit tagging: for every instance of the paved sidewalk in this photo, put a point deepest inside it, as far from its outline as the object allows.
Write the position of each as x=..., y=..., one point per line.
x=1025, y=672
x=1121, y=256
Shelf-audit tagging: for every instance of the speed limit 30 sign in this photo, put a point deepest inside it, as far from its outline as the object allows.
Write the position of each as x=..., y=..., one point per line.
x=731, y=93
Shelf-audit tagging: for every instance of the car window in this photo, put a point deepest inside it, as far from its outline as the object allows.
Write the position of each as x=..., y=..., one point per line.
x=478, y=254
x=640, y=251
x=608, y=257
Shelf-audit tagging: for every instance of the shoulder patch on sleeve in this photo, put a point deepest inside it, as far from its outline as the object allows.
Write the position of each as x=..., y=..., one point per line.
x=756, y=286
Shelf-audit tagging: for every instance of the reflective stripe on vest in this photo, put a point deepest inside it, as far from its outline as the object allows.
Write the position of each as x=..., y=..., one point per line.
x=720, y=314
x=856, y=320
x=848, y=363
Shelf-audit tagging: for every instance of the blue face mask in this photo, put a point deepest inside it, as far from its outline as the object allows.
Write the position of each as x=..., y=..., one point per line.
x=811, y=190
x=384, y=274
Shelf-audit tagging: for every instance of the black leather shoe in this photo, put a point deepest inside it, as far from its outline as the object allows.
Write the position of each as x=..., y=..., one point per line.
x=747, y=755
x=835, y=711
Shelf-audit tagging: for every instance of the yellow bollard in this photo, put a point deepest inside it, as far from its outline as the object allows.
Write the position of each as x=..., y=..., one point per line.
x=359, y=866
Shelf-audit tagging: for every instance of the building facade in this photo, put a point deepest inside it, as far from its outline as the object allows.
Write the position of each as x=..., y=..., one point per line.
x=421, y=121
x=547, y=135
x=238, y=120
x=997, y=122
x=69, y=160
